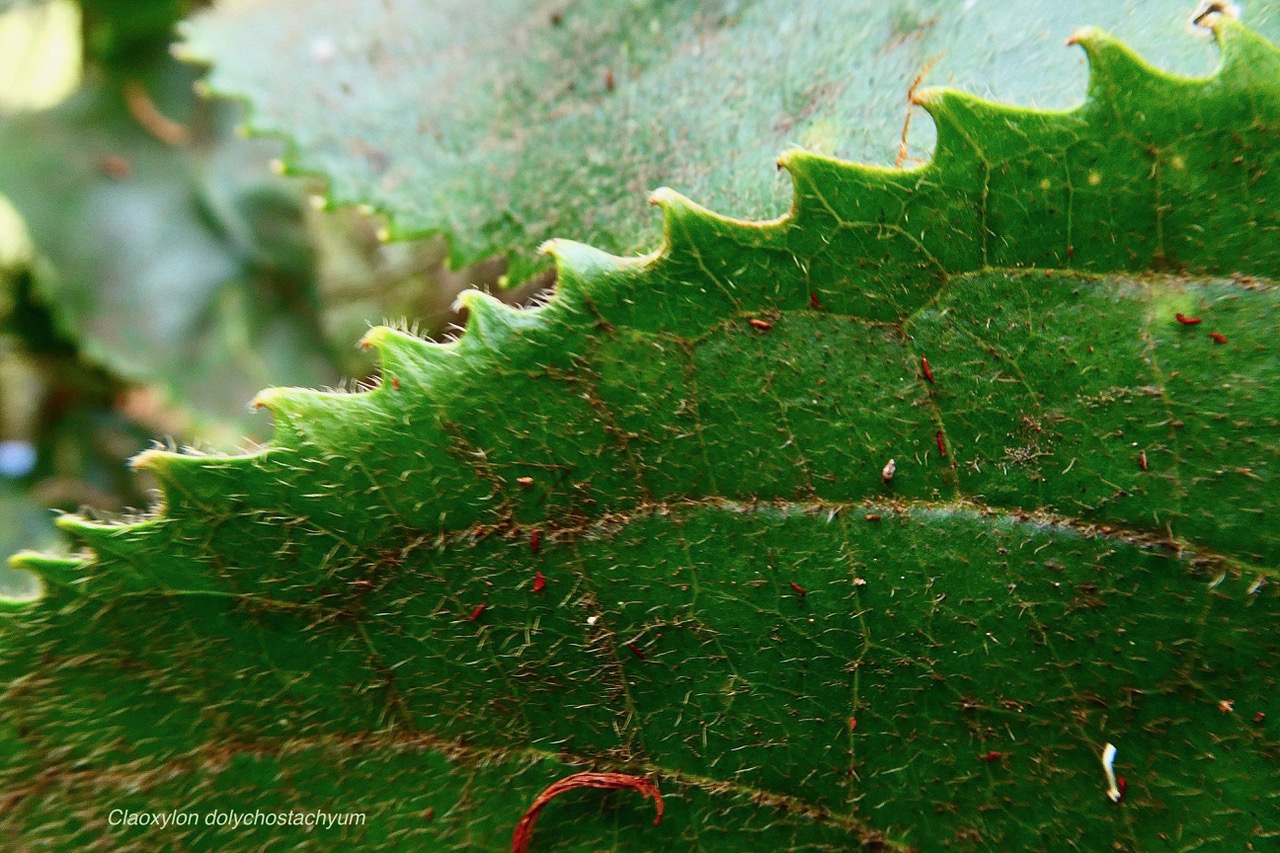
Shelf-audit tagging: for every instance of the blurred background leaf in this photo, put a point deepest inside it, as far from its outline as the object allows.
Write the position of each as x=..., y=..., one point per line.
x=182, y=265
x=503, y=124
x=155, y=272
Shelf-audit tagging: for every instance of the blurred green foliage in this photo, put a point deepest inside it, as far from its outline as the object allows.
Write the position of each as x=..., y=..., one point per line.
x=154, y=271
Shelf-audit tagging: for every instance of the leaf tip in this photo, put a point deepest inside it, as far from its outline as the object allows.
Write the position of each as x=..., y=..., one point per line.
x=271, y=399
x=1083, y=36
x=551, y=247
x=152, y=459
x=581, y=269
x=1113, y=65
x=796, y=160
x=1246, y=55
x=43, y=571
x=678, y=211
x=488, y=319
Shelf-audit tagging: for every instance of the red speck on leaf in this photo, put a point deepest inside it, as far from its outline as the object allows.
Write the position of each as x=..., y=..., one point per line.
x=873, y=516
x=1218, y=337
x=395, y=382
x=606, y=781
x=813, y=300
x=1142, y=459
x=1260, y=716
x=608, y=80
x=637, y=651
x=535, y=541
x=1185, y=320
x=926, y=370
x=539, y=582
x=800, y=591
x=942, y=447
x=762, y=325
x=992, y=757
x=1121, y=786
x=853, y=723
x=480, y=608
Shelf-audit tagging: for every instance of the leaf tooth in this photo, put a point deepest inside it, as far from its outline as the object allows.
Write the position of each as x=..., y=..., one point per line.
x=304, y=417
x=841, y=188
x=807, y=171
x=1115, y=70
x=121, y=539
x=871, y=201
x=490, y=322
x=807, y=168
x=280, y=402
x=292, y=405
x=189, y=482
x=405, y=357
x=120, y=553
x=1248, y=59
x=679, y=213
x=51, y=572
x=690, y=230
x=584, y=271
x=963, y=121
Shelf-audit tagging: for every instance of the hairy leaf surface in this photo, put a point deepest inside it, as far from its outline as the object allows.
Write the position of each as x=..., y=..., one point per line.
x=496, y=124
x=688, y=448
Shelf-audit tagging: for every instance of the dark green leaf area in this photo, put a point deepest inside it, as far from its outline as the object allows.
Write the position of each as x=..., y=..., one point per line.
x=678, y=642
x=412, y=793
x=1091, y=400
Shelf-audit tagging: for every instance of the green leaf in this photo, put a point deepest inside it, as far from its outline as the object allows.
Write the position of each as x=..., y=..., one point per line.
x=689, y=447
x=181, y=265
x=123, y=35
x=494, y=123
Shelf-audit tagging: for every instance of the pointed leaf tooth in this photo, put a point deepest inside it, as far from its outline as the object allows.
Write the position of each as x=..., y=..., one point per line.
x=681, y=217
x=276, y=400
x=1116, y=72
x=406, y=358
x=583, y=270
x=307, y=420
x=298, y=406
x=192, y=483
x=112, y=536
x=865, y=205
x=807, y=169
x=490, y=322
x=51, y=571
x=812, y=177
x=1248, y=60
x=963, y=130
x=284, y=406
x=705, y=249
x=117, y=543
x=486, y=327
x=836, y=188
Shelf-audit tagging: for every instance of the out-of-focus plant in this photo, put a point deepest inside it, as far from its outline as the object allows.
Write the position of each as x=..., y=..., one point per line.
x=154, y=272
